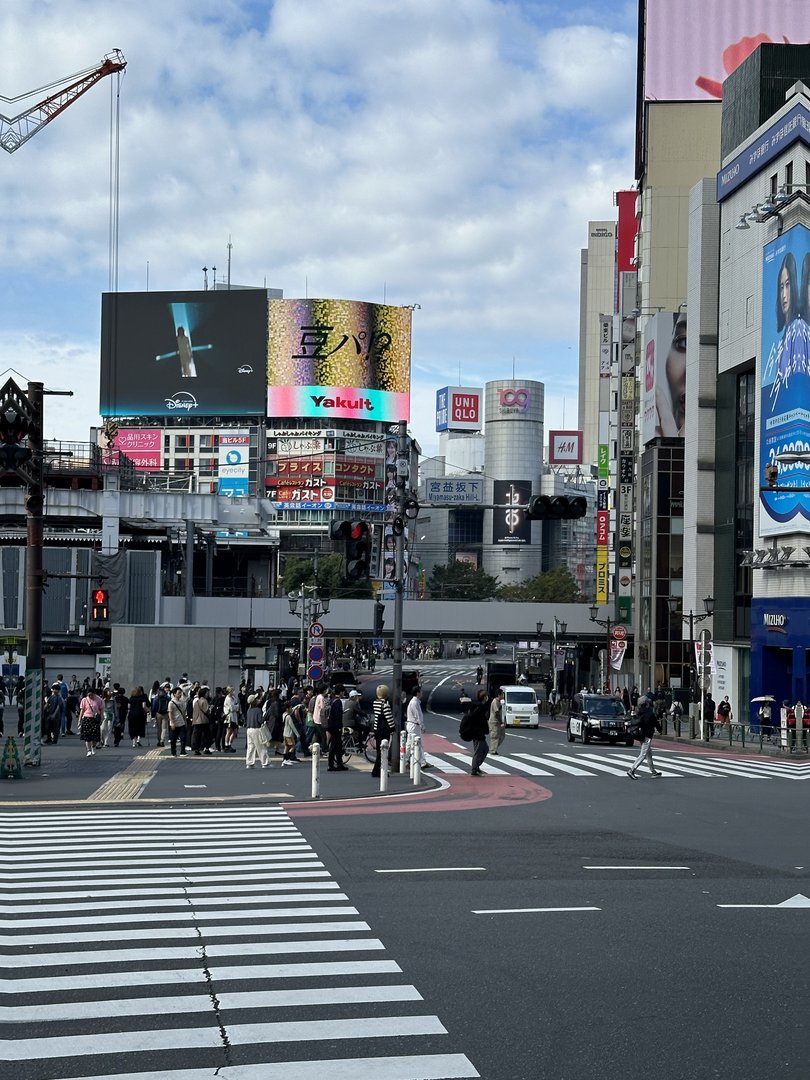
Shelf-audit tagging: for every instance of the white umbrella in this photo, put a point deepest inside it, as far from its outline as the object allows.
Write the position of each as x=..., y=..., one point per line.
x=763, y=697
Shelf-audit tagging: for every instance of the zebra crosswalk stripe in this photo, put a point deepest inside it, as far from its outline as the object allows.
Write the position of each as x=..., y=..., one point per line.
x=195, y=952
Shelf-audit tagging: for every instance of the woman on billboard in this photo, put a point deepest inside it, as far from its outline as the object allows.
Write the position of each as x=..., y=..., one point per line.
x=670, y=393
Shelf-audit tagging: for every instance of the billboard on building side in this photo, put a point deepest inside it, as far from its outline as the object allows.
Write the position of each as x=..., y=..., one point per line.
x=682, y=64
x=234, y=462
x=458, y=408
x=183, y=353
x=510, y=526
x=565, y=448
x=784, y=428
x=338, y=358
x=664, y=380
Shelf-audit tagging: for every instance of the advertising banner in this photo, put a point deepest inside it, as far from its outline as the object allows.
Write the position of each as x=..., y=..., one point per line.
x=234, y=462
x=664, y=377
x=785, y=381
x=565, y=448
x=143, y=447
x=183, y=353
x=338, y=358
x=458, y=408
x=682, y=65
x=510, y=524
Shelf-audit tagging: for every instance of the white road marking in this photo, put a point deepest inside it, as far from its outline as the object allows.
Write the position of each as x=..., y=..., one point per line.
x=646, y=867
x=529, y=910
x=428, y=869
x=412, y=1067
x=256, y=929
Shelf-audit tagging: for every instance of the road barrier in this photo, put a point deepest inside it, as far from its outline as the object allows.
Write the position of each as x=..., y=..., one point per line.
x=384, y=765
x=316, y=770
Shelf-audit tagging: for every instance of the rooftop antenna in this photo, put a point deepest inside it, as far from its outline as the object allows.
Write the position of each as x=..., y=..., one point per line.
x=205, y=279
x=306, y=288
x=213, y=277
x=230, y=246
x=147, y=275
x=513, y=367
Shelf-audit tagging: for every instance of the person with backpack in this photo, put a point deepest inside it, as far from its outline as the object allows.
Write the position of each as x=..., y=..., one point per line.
x=647, y=723
x=478, y=729
x=53, y=715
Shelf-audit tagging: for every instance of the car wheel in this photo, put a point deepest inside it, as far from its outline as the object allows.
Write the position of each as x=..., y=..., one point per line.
x=568, y=732
x=586, y=735
x=628, y=742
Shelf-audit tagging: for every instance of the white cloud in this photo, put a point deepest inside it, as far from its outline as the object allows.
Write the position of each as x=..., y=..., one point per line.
x=449, y=155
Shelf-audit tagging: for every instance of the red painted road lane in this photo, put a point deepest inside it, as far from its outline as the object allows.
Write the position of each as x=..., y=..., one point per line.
x=460, y=793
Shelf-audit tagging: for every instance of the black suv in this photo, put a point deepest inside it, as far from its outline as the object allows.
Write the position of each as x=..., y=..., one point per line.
x=598, y=716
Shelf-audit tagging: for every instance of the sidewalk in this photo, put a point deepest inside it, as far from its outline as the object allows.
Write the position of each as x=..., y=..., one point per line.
x=143, y=774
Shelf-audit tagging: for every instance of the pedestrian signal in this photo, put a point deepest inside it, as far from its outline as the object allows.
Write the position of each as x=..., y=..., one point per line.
x=100, y=605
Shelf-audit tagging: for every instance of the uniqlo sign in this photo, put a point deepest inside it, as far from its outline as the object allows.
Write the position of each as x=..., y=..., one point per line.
x=458, y=408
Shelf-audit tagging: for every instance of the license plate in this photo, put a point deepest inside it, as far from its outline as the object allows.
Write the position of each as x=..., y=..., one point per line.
x=516, y=721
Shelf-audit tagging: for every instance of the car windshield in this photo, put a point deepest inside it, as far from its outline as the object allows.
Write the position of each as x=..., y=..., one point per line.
x=603, y=706
x=521, y=697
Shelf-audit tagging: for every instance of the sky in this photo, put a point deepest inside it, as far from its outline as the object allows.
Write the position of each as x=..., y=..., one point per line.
x=442, y=153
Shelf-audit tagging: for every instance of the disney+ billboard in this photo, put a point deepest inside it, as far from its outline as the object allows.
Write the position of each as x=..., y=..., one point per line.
x=184, y=353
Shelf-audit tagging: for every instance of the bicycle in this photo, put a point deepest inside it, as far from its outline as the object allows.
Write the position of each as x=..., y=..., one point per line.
x=359, y=741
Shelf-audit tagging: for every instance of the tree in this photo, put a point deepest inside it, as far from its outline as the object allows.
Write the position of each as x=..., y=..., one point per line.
x=300, y=570
x=460, y=581
x=557, y=586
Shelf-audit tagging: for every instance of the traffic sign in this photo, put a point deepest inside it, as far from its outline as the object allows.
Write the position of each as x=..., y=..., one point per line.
x=315, y=654
x=315, y=673
x=620, y=632
x=316, y=630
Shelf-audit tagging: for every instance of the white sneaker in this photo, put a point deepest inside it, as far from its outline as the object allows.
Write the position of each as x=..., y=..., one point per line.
x=92, y=752
x=287, y=763
x=89, y=752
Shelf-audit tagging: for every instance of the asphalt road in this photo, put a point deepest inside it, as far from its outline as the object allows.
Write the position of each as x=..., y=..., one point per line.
x=561, y=924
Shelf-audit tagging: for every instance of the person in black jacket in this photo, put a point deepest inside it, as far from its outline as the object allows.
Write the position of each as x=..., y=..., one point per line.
x=334, y=725
x=479, y=715
x=648, y=724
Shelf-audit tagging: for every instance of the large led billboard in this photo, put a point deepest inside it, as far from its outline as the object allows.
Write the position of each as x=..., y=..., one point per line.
x=664, y=385
x=784, y=427
x=691, y=46
x=510, y=526
x=338, y=358
x=183, y=353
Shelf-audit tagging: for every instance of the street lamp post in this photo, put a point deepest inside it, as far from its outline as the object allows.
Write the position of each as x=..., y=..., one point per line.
x=691, y=617
x=609, y=624
x=313, y=607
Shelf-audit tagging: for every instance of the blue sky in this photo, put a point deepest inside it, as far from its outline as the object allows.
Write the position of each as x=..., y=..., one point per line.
x=446, y=153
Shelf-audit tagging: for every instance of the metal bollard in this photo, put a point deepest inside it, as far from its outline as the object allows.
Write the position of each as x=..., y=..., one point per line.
x=384, y=765
x=416, y=760
x=403, y=738
x=316, y=770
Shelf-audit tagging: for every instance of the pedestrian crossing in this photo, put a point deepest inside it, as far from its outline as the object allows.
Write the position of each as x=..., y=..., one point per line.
x=182, y=944
x=615, y=763
x=432, y=673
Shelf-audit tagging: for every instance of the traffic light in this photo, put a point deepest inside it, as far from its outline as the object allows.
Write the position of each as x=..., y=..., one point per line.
x=355, y=538
x=100, y=605
x=379, y=618
x=544, y=507
x=15, y=427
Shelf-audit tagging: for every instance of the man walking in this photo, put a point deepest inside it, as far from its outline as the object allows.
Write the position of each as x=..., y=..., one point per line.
x=648, y=724
x=497, y=727
x=415, y=727
x=479, y=717
x=334, y=726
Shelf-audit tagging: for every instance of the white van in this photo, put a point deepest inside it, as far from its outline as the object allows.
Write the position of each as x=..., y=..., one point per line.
x=520, y=707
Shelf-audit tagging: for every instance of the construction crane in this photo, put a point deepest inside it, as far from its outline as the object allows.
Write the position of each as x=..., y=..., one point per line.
x=17, y=130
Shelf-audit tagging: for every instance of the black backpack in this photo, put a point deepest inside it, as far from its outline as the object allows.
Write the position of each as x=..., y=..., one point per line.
x=466, y=727
x=162, y=702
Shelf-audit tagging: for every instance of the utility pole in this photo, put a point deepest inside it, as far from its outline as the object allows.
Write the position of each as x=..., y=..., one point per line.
x=34, y=582
x=403, y=478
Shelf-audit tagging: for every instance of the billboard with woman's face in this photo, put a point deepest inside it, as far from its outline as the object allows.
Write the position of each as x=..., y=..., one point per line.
x=664, y=383
x=785, y=381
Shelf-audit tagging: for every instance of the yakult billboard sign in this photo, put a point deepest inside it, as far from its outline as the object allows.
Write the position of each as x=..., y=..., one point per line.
x=458, y=408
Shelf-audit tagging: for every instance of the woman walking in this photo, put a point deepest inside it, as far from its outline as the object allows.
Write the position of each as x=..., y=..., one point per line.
x=91, y=709
x=231, y=714
x=177, y=722
x=254, y=735
x=136, y=715
x=109, y=717
x=200, y=738
x=383, y=723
